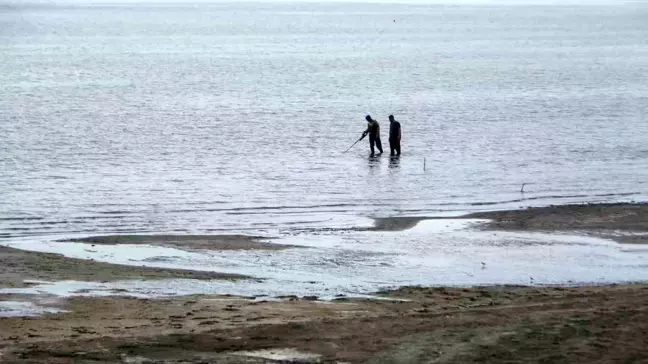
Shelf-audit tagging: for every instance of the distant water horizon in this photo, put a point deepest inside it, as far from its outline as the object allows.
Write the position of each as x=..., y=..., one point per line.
x=521, y=3
x=234, y=117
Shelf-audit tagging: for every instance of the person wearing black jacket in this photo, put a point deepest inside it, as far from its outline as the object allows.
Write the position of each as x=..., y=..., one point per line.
x=373, y=129
x=394, y=135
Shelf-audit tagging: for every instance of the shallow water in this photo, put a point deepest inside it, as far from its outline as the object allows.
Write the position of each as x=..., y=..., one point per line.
x=286, y=354
x=24, y=308
x=434, y=253
x=233, y=117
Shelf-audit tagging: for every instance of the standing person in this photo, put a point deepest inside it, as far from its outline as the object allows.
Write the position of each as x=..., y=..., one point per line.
x=394, y=135
x=373, y=129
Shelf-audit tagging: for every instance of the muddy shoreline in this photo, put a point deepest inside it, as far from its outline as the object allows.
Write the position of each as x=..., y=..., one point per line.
x=624, y=223
x=501, y=324
x=625, y=216
x=187, y=242
x=600, y=324
x=18, y=266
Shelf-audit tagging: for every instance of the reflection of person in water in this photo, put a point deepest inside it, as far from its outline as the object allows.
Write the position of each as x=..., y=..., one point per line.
x=373, y=129
x=394, y=162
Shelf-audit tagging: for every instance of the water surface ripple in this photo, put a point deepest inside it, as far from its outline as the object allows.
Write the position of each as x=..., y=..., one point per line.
x=233, y=117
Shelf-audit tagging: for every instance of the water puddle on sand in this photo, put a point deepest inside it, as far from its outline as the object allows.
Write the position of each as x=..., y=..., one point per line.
x=24, y=308
x=287, y=354
x=448, y=252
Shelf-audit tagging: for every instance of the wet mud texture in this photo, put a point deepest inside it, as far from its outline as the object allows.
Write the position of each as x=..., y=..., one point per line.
x=395, y=223
x=19, y=265
x=601, y=324
x=605, y=324
x=187, y=242
x=625, y=223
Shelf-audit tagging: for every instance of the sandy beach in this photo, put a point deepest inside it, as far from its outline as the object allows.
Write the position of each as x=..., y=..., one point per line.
x=496, y=324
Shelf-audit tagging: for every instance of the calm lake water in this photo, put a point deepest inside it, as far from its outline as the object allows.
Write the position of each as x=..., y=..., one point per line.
x=235, y=117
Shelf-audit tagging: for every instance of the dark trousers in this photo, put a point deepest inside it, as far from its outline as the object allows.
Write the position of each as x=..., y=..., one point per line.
x=394, y=145
x=372, y=141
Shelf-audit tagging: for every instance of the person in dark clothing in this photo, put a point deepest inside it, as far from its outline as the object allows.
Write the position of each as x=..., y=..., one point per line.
x=394, y=135
x=373, y=129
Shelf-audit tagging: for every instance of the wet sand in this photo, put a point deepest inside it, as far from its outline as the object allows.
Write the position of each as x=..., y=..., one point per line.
x=624, y=223
x=395, y=223
x=18, y=266
x=441, y=325
x=505, y=324
x=187, y=242
x=628, y=217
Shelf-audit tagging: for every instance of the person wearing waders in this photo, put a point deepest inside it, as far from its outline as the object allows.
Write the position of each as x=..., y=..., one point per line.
x=373, y=129
x=394, y=135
